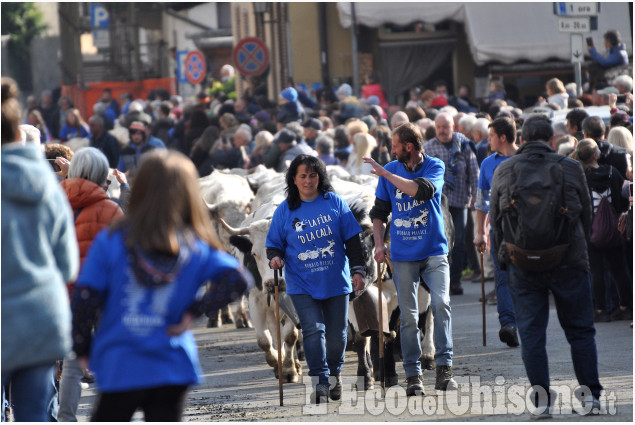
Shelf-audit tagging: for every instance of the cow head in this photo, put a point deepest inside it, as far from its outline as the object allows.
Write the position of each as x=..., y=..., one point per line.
x=244, y=245
x=232, y=212
x=252, y=251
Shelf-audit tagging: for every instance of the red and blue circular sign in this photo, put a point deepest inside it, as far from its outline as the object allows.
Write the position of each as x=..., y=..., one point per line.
x=195, y=67
x=251, y=57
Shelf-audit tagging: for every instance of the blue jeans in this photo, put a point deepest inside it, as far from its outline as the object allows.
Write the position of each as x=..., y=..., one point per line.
x=459, y=218
x=31, y=391
x=571, y=289
x=504, y=304
x=434, y=271
x=323, y=321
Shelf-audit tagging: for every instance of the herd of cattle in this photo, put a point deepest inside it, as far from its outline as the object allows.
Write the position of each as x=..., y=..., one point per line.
x=241, y=204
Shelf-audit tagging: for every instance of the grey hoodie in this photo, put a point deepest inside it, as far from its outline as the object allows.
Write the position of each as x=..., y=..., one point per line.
x=39, y=255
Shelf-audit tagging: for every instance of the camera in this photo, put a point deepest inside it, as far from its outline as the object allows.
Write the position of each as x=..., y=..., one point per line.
x=589, y=41
x=56, y=167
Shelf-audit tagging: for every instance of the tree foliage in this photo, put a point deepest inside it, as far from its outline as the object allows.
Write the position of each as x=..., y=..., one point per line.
x=23, y=22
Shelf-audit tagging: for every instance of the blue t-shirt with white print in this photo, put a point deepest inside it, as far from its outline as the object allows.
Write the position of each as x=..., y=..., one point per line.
x=131, y=349
x=417, y=230
x=312, y=238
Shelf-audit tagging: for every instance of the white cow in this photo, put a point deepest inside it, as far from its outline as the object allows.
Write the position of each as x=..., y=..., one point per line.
x=259, y=176
x=252, y=253
x=229, y=197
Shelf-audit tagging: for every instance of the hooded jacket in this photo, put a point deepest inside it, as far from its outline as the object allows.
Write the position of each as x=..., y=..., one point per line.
x=613, y=155
x=290, y=111
x=577, y=201
x=97, y=211
x=39, y=254
x=607, y=176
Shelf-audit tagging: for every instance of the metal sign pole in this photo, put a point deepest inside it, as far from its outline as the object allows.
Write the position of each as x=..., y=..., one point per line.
x=577, y=69
x=278, y=340
x=577, y=55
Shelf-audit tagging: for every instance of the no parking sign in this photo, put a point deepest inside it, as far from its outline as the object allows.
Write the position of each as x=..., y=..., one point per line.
x=195, y=67
x=251, y=56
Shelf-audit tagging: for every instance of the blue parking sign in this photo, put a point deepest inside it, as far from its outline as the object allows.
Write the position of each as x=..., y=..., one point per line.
x=99, y=16
x=180, y=66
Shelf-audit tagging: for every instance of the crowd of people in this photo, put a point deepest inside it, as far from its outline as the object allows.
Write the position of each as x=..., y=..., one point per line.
x=139, y=245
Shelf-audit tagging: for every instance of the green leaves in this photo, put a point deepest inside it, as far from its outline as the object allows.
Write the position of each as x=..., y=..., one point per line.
x=23, y=22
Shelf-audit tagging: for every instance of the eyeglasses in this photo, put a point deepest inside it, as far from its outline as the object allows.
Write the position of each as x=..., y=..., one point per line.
x=133, y=132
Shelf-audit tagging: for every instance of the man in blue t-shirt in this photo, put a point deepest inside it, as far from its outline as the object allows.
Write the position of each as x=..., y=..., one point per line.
x=502, y=135
x=410, y=188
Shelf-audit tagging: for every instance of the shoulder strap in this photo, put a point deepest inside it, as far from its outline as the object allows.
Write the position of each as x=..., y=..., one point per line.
x=563, y=207
x=79, y=210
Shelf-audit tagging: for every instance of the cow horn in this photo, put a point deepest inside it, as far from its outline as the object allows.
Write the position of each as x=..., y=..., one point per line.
x=234, y=232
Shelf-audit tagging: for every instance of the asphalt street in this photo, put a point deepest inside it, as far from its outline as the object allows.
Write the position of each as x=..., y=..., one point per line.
x=239, y=386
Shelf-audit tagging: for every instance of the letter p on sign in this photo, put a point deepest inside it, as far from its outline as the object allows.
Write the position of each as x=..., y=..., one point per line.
x=98, y=16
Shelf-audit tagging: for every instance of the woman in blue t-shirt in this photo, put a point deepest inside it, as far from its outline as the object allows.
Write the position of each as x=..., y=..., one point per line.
x=142, y=275
x=314, y=234
x=74, y=126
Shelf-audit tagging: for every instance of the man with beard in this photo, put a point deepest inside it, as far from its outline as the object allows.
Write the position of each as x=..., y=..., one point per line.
x=410, y=188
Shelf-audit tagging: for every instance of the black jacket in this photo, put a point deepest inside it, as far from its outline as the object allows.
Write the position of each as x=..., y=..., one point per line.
x=598, y=180
x=577, y=200
x=613, y=155
x=109, y=146
x=161, y=129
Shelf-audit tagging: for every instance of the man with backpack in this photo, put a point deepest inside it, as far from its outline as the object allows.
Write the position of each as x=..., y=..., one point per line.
x=540, y=212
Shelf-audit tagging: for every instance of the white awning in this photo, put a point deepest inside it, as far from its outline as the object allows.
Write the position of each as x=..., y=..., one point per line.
x=503, y=32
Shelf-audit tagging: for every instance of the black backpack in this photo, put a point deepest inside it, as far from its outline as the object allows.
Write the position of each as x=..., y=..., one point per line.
x=604, y=229
x=534, y=221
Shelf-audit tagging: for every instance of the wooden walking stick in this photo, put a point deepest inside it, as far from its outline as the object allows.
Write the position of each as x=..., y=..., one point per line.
x=381, y=328
x=275, y=286
x=481, y=249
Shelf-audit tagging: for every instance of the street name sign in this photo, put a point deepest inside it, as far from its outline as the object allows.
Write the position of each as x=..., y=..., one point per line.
x=579, y=25
x=576, y=9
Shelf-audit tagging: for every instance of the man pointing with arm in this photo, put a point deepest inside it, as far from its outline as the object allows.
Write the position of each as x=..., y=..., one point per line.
x=410, y=188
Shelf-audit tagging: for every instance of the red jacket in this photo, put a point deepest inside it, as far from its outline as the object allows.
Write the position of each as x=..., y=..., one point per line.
x=98, y=211
x=375, y=90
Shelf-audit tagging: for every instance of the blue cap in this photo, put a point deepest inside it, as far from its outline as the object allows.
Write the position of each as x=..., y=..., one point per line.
x=345, y=90
x=290, y=94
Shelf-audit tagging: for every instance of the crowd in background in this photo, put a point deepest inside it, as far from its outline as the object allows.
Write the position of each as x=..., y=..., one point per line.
x=217, y=132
